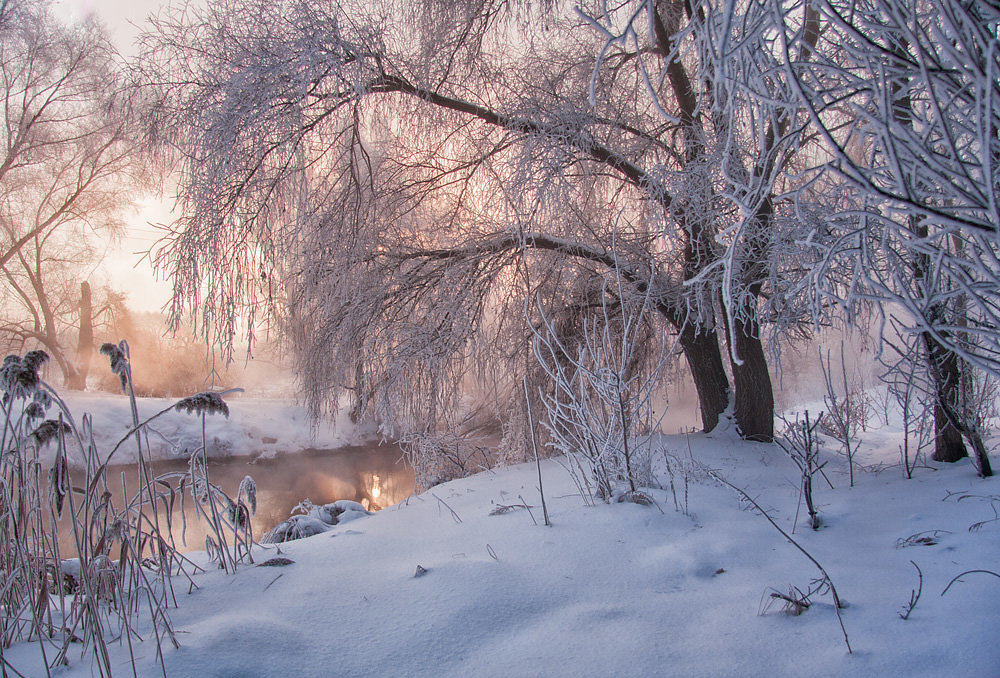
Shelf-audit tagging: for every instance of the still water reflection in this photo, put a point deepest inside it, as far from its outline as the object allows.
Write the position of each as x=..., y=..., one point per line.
x=372, y=474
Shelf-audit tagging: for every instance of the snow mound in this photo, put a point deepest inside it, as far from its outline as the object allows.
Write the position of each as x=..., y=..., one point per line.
x=315, y=520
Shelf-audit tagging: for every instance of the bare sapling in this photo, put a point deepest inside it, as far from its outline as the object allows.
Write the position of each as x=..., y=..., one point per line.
x=801, y=444
x=907, y=384
x=534, y=448
x=673, y=466
x=846, y=413
x=909, y=454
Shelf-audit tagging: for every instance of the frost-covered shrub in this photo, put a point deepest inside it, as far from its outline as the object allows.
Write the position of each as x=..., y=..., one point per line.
x=439, y=457
x=603, y=369
x=802, y=445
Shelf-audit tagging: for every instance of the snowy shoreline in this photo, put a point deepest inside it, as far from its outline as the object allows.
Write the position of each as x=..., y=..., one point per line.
x=612, y=589
x=256, y=428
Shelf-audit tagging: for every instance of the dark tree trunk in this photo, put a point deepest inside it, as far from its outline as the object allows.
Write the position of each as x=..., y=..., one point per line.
x=753, y=406
x=85, y=340
x=954, y=424
x=951, y=424
x=704, y=358
x=948, y=443
x=754, y=403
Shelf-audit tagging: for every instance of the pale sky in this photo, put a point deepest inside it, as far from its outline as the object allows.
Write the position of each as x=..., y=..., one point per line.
x=121, y=16
x=128, y=271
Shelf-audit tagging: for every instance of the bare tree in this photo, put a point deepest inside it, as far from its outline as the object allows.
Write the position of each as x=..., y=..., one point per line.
x=66, y=168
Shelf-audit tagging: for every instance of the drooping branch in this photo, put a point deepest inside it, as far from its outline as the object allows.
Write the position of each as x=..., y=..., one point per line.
x=631, y=171
x=644, y=283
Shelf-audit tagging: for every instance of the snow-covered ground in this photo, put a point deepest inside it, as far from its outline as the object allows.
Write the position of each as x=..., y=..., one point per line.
x=613, y=590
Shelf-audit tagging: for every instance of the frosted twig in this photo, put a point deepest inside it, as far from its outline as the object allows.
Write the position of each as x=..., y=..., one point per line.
x=450, y=509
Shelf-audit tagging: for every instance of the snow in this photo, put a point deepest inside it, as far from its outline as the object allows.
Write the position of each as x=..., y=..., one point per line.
x=618, y=589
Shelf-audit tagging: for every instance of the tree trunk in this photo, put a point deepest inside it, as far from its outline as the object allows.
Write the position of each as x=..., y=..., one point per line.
x=85, y=340
x=701, y=350
x=754, y=403
x=948, y=443
x=753, y=406
x=953, y=424
x=944, y=366
x=951, y=421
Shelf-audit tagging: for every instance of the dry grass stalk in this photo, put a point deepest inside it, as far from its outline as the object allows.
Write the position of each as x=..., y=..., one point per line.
x=112, y=579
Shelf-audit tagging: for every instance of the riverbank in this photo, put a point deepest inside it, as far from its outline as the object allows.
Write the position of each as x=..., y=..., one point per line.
x=255, y=428
x=464, y=581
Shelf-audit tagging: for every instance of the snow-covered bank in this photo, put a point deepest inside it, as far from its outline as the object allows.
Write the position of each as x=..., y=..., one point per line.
x=610, y=590
x=255, y=427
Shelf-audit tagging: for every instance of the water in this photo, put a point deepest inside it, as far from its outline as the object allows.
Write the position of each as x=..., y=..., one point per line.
x=370, y=474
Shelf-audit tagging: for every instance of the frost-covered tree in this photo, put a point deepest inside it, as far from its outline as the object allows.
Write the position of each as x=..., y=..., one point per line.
x=904, y=94
x=393, y=181
x=67, y=165
x=712, y=70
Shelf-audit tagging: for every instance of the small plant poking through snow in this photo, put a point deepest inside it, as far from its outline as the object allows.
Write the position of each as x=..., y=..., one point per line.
x=926, y=538
x=907, y=609
x=793, y=603
x=822, y=584
x=994, y=502
x=501, y=509
x=801, y=444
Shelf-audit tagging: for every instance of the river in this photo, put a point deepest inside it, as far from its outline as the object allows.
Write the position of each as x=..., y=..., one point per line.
x=372, y=474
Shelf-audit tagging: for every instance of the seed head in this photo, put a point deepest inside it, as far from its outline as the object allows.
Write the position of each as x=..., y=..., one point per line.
x=119, y=361
x=19, y=376
x=207, y=402
x=34, y=411
x=48, y=430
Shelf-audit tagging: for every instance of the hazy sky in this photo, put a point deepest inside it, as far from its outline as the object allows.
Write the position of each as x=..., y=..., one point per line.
x=124, y=264
x=121, y=16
